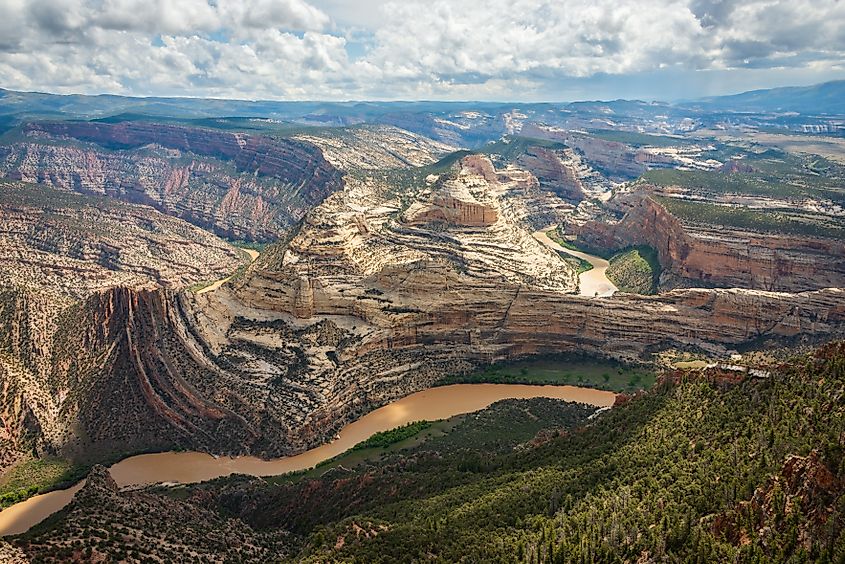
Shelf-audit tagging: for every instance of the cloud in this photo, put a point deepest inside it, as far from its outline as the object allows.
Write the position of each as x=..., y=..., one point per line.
x=410, y=49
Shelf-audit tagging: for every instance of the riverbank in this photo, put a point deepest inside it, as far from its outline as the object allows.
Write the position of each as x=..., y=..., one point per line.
x=187, y=467
x=557, y=370
x=593, y=282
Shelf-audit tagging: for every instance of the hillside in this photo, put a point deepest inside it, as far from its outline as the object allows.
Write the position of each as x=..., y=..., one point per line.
x=825, y=98
x=754, y=471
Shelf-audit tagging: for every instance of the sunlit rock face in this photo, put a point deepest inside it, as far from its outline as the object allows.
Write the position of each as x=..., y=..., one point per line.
x=381, y=291
x=237, y=185
x=695, y=254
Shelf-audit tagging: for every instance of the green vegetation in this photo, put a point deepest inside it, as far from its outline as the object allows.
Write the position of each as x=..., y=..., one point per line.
x=579, y=264
x=384, y=439
x=665, y=475
x=251, y=245
x=574, y=371
x=34, y=476
x=637, y=139
x=446, y=163
x=787, y=177
x=635, y=270
x=781, y=221
x=556, y=236
x=512, y=146
x=698, y=469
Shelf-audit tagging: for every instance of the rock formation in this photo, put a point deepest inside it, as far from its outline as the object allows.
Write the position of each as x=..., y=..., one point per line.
x=378, y=147
x=360, y=306
x=700, y=254
x=553, y=173
x=70, y=245
x=805, y=483
x=57, y=250
x=238, y=185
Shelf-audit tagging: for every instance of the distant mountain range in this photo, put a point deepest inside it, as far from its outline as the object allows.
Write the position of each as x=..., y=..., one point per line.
x=825, y=98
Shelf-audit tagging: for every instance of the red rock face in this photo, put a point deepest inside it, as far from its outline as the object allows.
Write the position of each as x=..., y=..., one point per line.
x=611, y=157
x=187, y=172
x=552, y=173
x=721, y=256
x=453, y=211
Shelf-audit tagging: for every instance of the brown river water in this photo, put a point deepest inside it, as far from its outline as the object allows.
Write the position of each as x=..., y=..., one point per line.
x=592, y=283
x=187, y=467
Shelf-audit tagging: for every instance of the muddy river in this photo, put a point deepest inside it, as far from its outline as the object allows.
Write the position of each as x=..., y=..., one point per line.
x=594, y=282
x=186, y=467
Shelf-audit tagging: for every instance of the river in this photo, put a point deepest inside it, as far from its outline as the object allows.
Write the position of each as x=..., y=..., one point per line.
x=594, y=282
x=186, y=467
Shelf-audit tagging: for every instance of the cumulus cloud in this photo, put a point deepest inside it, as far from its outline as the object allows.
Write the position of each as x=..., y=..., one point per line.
x=322, y=49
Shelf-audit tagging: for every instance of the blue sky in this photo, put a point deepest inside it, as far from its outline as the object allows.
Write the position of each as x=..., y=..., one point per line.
x=519, y=50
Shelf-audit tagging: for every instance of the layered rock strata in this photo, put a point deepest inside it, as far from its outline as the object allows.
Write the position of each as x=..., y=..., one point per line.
x=238, y=185
x=371, y=299
x=701, y=254
x=57, y=250
x=553, y=172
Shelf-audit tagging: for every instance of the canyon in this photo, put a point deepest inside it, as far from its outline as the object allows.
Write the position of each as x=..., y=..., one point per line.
x=421, y=330
x=371, y=299
x=238, y=185
x=695, y=254
x=399, y=271
x=191, y=467
x=386, y=262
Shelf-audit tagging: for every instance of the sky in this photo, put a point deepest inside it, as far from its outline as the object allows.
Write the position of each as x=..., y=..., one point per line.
x=516, y=50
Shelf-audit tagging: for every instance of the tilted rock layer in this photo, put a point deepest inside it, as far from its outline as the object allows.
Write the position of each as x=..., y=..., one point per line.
x=57, y=250
x=362, y=305
x=239, y=185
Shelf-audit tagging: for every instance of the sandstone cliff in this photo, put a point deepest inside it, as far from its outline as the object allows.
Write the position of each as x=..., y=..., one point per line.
x=269, y=371
x=375, y=295
x=700, y=254
x=363, y=305
x=58, y=249
x=238, y=185
x=553, y=173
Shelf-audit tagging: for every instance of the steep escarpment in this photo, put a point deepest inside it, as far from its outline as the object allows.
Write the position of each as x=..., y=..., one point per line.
x=553, y=173
x=615, y=159
x=59, y=249
x=70, y=245
x=702, y=254
x=362, y=306
x=706, y=466
x=238, y=185
x=375, y=147
x=372, y=298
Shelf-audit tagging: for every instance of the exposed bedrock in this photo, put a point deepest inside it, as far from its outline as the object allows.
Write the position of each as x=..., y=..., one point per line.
x=369, y=300
x=553, y=173
x=218, y=372
x=698, y=254
x=239, y=185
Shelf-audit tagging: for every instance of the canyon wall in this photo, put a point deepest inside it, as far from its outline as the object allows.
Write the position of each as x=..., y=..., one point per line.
x=237, y=185
x=254, y=372
x=552, y=173
x=697, y=254
x=373, y=297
